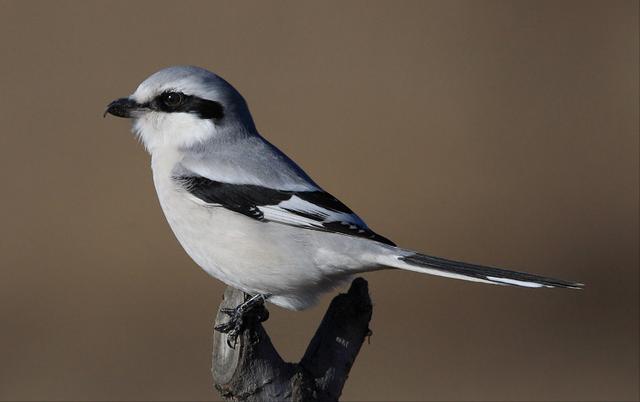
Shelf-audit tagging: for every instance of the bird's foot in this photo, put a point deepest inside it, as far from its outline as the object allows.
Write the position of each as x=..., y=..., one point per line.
x=234, y=326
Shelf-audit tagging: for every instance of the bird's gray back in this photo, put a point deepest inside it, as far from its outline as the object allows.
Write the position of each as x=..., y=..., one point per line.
x=245, y=158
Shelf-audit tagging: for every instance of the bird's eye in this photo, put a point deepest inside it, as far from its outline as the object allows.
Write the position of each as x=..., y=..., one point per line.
x=172, y=99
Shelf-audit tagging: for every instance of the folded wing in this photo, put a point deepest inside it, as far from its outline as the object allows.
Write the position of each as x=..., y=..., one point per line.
x=315, y=210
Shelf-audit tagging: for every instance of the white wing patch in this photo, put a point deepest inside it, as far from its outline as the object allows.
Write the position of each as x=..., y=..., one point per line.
x=296, y=211
x=275, y=214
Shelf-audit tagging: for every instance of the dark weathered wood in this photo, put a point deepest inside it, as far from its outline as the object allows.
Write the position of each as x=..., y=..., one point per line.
x=254, y=371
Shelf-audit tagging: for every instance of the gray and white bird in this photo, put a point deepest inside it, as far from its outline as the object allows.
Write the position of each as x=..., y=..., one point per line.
x=247, y=214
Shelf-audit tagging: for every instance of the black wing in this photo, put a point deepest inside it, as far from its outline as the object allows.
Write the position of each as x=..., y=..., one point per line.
x=317, y=210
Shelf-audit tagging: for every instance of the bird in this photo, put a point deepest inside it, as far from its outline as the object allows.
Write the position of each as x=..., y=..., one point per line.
x=248, y=215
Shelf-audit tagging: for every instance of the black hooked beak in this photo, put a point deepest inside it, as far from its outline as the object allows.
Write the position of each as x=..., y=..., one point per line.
x=123, y=107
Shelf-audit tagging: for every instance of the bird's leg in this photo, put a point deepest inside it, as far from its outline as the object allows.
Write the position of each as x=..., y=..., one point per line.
x=233, y=327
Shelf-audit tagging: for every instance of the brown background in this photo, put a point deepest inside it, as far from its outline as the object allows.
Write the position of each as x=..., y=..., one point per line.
x=496, y=132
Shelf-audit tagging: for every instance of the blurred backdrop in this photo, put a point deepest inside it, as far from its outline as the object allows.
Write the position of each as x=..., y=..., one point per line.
x=500, y=133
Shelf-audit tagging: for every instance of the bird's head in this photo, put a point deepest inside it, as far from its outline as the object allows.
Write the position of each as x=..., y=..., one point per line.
x=183, y=106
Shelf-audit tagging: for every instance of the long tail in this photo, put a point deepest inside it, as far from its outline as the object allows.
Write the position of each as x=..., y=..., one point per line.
x=426, y=264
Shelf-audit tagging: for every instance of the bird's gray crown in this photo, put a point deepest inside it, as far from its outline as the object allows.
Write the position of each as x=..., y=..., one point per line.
x=190, y=80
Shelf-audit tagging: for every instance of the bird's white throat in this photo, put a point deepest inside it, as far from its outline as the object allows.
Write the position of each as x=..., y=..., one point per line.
x=175, y=130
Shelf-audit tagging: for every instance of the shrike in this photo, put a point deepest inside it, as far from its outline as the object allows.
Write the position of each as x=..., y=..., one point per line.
x=247, y=214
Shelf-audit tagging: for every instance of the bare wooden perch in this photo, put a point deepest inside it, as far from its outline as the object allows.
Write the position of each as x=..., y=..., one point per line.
x=254, y=371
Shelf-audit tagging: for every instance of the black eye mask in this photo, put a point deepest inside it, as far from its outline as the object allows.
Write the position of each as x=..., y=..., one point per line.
x=177, y=102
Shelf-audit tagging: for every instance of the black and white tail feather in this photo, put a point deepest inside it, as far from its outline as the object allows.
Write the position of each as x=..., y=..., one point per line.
x=427, y=264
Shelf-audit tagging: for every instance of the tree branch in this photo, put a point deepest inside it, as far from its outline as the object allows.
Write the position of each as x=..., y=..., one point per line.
x=254, y=371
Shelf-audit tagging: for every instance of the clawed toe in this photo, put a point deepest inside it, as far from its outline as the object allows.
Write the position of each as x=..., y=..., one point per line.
x=234, y=326
x=225, y=328
x=232, y=336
